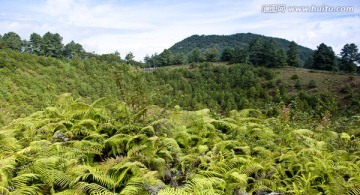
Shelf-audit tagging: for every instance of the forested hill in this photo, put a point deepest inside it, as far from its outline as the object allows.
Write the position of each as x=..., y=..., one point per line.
x=236, y=40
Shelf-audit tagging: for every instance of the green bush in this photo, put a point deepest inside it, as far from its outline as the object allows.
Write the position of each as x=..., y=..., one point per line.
x=297, y=84
x=346, y=89
x=294, y=77
x=312, y=84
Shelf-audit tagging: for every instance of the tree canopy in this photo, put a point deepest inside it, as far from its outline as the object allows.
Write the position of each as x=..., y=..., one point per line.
x=349, y=56
x=324, y=58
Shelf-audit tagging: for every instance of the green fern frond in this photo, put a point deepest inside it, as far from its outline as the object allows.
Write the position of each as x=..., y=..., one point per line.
x=88, y=123
x=65, y=99
x=171, y=144
x=70, y=192
x=8, y=145
x=148, y=130
x=125, y=170
x=135, y=140
x=52, y=112
x=24, y=179
x=117, y=144
x=92, y=188
x=48, y=171
x=354, y=190
x=173, y=191
x=41, y=148
x=207, y=173
x=198, y=184
x=226, y=146
x=251, y=168
x=262, y=152
x=89, y=147
x=136, y=185
x=7, y=171
x=305, y=132
x=92, y=175
x=241, y=179
x=30, y=190
x=99, y=103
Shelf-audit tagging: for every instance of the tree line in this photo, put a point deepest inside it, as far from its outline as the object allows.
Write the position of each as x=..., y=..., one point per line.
x=324, y=58
x=259, y=52
x=265, y=53
x=51, y=45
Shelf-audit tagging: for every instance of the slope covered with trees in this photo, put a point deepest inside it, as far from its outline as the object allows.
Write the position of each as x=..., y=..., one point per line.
x=31, y=82
x=236, y=40
x=51, y=45
x=211, y=47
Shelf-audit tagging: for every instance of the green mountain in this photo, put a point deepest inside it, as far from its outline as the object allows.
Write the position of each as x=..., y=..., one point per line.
x=221, y=41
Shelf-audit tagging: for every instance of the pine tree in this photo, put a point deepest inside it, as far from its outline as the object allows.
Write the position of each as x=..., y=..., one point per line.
x=35, y=43
x=239, y=55
x=211, y=54
x=270, y=50
x=52, y=45
x=227, y=54
x=349, y=55
x=293, y=55
x=324, y=58
x=281, y=58
x=12, y=40
x=256, y=54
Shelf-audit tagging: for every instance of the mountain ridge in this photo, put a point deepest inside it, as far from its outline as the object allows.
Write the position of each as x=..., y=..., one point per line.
x=235, y=40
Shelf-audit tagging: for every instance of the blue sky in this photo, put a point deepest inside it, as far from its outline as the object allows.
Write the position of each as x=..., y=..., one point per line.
x=145, y=27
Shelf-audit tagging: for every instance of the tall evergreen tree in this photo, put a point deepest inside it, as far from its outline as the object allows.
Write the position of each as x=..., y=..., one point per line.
x=196, y=56
x=239, y=55
x=12, y=40
x=281, y=57
x=227, y=54
x=129, y=58
x=73, y=49
x=52, y=45
x=293, y=55
x=324, y=58
x=270, y=53
x=211, y=54
x=256, y=52
x=166, y=58
x=35, y=44
x=179, y=58
x=349, y=55
x=309, y=62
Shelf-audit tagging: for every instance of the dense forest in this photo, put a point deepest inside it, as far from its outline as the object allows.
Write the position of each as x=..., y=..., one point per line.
x=220, y=42
x=74, y=122
x=257, y=50
x=211, y=48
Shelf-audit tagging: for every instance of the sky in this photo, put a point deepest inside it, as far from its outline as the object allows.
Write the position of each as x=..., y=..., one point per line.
x=147, y=27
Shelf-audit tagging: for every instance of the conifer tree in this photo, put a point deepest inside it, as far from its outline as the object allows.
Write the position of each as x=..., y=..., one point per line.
x=293, y=55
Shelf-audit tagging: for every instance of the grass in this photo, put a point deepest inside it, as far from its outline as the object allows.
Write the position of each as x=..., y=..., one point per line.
x=326, y=81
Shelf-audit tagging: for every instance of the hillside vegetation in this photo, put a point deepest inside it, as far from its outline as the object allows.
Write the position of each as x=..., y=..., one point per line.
x=31, y=82
x=236, y=40
x=96, y=124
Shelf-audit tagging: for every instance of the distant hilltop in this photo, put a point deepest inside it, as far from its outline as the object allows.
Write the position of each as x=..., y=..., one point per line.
x=236, y=40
